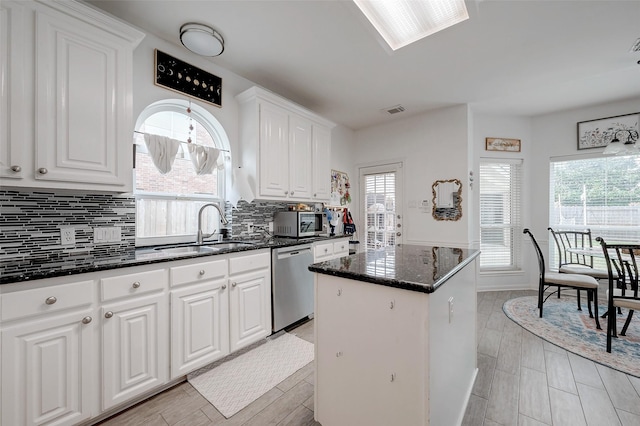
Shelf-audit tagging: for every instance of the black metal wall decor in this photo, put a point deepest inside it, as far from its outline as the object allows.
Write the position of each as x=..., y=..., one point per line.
x=179, y=76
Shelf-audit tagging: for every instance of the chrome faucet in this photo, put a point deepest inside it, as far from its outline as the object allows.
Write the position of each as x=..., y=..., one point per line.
x=201, y=236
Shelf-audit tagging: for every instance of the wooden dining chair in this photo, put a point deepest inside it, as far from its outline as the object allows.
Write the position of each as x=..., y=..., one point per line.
x=575, y=263
x=558, y=280
x=622, y=268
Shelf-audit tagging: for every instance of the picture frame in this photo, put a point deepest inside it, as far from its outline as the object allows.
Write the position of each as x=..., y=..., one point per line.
x=179, y=76
x=502, y=144
x=599, y=132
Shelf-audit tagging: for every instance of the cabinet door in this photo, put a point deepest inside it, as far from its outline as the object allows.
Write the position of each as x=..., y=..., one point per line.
x=13, y=78
x=274, y=151
x=300, y=172
x=249, y=308
x=134, y=335
x=82, y=103
x=199, y=326
x=321, y=153
x=46, y=370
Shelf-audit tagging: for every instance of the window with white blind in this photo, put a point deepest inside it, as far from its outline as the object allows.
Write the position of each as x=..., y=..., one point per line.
x=500, y=228
x=600, y=194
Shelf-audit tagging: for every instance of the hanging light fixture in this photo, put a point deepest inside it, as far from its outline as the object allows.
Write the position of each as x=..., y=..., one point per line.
x=627, y=148
x=201, y=39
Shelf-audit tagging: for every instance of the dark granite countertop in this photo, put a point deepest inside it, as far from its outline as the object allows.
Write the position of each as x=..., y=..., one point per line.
x=409, y=267
x=133, y=257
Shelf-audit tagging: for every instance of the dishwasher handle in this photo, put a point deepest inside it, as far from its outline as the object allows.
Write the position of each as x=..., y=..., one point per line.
x=297, y=251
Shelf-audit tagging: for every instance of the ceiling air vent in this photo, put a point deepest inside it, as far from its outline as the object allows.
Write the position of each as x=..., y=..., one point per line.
x=394, y=109
x=636, y=46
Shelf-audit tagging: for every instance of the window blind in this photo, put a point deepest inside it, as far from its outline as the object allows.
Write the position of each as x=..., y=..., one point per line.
x=380, y=205
x=500, y=190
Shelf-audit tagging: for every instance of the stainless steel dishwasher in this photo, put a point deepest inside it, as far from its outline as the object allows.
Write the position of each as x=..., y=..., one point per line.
x=291, y=284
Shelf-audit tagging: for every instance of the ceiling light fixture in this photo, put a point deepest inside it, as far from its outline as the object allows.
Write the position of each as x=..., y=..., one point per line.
x=201, y=39
x=402, y=22
x=618, y=148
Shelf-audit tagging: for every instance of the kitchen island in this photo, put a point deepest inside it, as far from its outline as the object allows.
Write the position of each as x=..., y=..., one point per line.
x=395, y=333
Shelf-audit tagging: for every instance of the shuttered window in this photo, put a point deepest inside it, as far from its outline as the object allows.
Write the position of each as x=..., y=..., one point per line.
x=600, y=194
x=380, y=208
x=500, y=226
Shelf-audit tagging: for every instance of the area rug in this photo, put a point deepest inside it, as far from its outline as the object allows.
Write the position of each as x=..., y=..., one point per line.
x=235, y=384
x=573, y=330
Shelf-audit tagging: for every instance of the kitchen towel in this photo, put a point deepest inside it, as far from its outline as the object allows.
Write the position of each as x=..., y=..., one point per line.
x=163, y=151
x=203, y=158
x=240, y=187
x=236, y=383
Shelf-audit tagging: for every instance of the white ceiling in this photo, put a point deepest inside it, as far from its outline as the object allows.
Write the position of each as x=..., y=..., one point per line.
x=511, y=57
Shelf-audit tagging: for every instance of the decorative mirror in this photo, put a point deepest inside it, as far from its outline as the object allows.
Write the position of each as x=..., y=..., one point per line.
x=447, y=199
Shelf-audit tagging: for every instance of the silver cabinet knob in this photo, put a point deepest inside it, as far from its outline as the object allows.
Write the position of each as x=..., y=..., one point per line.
x=315, y=195
x=234, y=284
x=86, y=320
x=43, y=171
x=108, y=314
x=398, y=233
x=291, y=192
x=339, y=292
x=326, y=250
x=201, y=272
x=50, y=300
x=16, y=169
x=136, y=284
x=286, y=192
x=224, y=286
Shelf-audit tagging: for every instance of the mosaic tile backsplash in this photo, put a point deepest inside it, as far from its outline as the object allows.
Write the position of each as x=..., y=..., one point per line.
x=30, y=224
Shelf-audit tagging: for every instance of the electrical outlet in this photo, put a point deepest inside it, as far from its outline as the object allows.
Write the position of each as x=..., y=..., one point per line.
x=271, y=227
x=67, y=236
x=250, y=227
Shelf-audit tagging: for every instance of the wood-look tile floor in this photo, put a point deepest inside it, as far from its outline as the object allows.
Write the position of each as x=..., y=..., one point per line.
x=522, y=381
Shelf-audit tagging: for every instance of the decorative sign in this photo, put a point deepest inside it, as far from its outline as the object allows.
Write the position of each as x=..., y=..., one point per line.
x=179, y=76
x=598, y=133
x=502, y=144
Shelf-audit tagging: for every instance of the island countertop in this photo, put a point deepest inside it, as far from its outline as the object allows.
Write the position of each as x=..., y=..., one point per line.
x=405, y=266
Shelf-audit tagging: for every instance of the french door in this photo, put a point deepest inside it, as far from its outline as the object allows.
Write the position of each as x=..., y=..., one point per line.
x=381, y=189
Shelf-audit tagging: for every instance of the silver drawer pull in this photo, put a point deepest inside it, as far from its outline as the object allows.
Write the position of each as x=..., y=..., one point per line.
x=339, y=292
x=224, y=286
x=338, y=354
x=201, y=272
x=136, y=284
x=393, y=377
x=50, y=300
x=43, y=171
x=86, y=320
x=16, y=169
x=108, y=314
x=234, y=284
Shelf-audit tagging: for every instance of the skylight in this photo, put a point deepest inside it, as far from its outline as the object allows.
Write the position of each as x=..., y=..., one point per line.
x=402, y=22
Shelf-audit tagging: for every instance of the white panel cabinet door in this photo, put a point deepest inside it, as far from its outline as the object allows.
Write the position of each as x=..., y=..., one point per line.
x=250, y=307
x=300, y=171
x=135, y=337
x=274, y=151
x=321, y=155
x=80, y=103
x=199, y=326
x=47, y=370
x=13, y=68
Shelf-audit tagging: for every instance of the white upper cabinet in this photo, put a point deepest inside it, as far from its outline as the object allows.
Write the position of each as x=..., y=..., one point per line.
x=284, y=147
x=79, y=87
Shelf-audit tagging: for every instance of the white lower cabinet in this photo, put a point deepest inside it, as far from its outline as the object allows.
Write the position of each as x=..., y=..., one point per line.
x=199, y=315
x=47, y=368
x=249, y=298
x=134, y=336
x=332, y=249
x=48, y=347
x=71, y=351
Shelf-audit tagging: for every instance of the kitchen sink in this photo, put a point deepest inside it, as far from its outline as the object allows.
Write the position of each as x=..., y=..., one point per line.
x=187, y=250
x=228, y=245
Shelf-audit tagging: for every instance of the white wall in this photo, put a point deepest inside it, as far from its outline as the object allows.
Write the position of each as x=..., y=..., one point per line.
x=432, y=146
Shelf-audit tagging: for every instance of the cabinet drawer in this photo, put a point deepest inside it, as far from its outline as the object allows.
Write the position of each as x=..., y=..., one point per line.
x=341, y=248
x=322, y=251
x=132, y=284
x=199, y=272
x=249, y=262
x=43, y=300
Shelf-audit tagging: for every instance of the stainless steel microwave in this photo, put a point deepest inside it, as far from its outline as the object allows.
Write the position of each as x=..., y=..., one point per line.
x=299, y=224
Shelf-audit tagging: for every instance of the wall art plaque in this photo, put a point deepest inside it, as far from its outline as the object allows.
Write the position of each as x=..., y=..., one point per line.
x=174, y=74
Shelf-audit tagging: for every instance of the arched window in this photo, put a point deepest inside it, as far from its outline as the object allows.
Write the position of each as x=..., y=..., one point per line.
x=167, y=204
